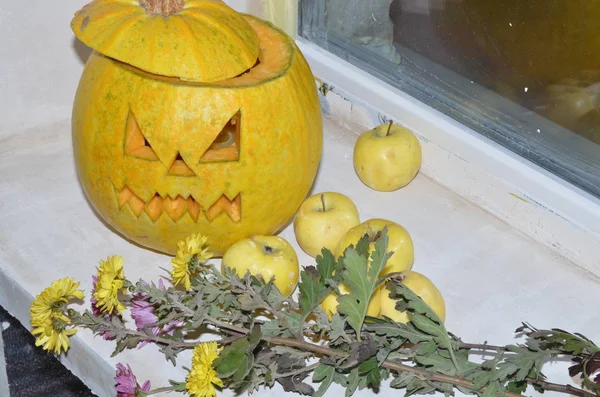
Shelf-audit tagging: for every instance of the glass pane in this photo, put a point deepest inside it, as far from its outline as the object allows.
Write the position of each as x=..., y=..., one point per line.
x=525, y=73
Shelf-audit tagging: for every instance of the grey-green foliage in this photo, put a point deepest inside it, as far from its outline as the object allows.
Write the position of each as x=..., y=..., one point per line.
x=268, y=338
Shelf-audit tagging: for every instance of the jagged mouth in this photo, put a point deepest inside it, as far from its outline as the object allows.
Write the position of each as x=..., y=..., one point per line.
x=176, y=207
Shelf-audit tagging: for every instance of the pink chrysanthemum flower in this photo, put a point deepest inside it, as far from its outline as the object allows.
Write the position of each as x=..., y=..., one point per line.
x=127, y=384
x=143, y=313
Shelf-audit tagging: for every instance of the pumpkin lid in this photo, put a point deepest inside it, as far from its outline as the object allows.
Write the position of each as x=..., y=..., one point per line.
x=197, y=40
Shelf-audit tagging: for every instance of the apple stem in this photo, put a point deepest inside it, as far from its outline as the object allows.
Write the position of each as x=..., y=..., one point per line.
x=269, y=249
x=389, y=128
x=323, y=203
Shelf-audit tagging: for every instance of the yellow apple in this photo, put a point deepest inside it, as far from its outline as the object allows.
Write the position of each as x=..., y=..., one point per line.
x=387, y=157
x=399, y=241
x=420, y=285
x=322, y=221
x=330, y=303
x=268, y=256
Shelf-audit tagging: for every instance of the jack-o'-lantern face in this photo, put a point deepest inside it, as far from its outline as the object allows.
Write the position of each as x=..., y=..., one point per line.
x=224, y=148
x=161, y=158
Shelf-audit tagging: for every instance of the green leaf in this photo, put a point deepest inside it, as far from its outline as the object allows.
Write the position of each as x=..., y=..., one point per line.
x=321, y=372
x=237, y=358
x=411, y=301
x=402, y=380
x=419, y=386
x=296, y=384
x=505, y=370
x=324, y=374
x=271, y=294
x=426, y=348
x=424, y=318
x=272, y=328
x=291, y=321
x=415, y=385
x=250, y=302
x=494, y=389
x=436, y=362
x=360, y=351
x=482, y=378
x=338, y=329
x=361, y=279
x=291, y=351
x=516, y=387
x=254, y=339
x=362, y=247
x=526, y=360
x=312, y=291
x=370, y=370
x=394, y=347
x=326, y=265
x=395, y=330
x=353, y=381
x=462, y=360
x=229, y=359
x=429, y=326
x=244, y=367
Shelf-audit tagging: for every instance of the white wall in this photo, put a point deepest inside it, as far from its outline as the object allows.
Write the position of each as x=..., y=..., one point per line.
x=254, y=7
x=40, y=63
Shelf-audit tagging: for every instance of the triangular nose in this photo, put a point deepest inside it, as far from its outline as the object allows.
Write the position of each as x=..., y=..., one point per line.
x=180, y=168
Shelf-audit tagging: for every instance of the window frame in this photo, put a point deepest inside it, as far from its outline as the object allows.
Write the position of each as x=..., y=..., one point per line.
x=518, y=129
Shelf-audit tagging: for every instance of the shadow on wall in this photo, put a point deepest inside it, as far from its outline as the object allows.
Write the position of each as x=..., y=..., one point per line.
x=83, y=52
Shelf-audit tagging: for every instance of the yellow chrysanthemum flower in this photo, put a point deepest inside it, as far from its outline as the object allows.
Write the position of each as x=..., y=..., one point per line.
x=203, y=378
x=193, y=248
x=110, y=281
x=53, y=334
x=53, y=300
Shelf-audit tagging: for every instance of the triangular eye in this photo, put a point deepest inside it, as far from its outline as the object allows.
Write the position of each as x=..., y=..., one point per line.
x=136, y=144
x=180, y=168
x=226, y=146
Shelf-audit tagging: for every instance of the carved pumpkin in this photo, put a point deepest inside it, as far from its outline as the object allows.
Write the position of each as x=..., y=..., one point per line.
x=190, y=118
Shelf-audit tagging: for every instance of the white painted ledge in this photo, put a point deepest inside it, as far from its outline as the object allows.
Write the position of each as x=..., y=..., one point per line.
x=491, y=276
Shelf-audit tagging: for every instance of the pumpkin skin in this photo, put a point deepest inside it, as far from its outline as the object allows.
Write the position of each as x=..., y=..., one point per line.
x=159, y=192
x=204, y=41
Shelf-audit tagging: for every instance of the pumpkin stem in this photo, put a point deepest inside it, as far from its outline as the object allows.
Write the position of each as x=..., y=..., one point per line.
x=162, y=7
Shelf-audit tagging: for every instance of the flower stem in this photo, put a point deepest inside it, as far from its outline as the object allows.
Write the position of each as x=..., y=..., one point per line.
x=567, y=389
x=162, y=341
x=160, y=390
x=483, y=347
x=326, y=351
